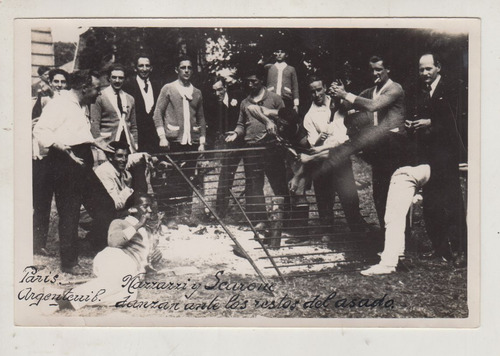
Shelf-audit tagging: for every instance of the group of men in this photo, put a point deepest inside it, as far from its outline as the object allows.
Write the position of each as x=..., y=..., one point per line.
x=134, y=117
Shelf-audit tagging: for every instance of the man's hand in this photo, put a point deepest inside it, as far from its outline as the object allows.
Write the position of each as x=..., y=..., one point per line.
x=337, y=90
x=271, y=128
x=296, y=109
x=164, y=142
x=201, y=147
x=67, y=149
x=231, y=136
x=421, y=124
x=321, y=139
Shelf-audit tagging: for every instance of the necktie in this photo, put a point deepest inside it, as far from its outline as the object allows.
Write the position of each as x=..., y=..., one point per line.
x=145, y=85
x=427, y=93
x=119, y=101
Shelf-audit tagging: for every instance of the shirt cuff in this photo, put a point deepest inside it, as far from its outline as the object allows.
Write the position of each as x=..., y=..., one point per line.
x=160, y=131
x=295, y=102
x=203, y=140
x=350, y=98
x=129, y=232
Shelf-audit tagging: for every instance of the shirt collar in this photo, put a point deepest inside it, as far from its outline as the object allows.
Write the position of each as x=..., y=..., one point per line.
x=387, y=83
x=226, y=100
x=326, y=103
x=280, y=65
x=264, y=96
x=140, y=80
x=435, y=83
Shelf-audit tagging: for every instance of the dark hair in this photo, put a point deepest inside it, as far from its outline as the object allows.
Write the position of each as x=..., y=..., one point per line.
x=217, y=79
x=315, y=78
x=116, y=66
x=143, y=55
x=435, y=57
x=255, y=69
x=183, y=58
x=57, y=71
x=120, y=145
x=82, y=78
x=42, y=69
x=385, y=61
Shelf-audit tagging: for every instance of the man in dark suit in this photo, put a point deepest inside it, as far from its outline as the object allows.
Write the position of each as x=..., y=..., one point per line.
x=226, y=114
x=433, y=120
x=145, y=92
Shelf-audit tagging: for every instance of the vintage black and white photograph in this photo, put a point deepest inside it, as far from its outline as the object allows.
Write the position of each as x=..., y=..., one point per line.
x=238, y=172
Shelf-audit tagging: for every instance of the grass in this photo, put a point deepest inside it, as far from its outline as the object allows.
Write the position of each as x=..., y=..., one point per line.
x=427, y=289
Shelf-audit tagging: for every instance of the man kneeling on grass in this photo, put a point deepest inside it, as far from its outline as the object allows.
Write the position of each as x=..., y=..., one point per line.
x=131, y=251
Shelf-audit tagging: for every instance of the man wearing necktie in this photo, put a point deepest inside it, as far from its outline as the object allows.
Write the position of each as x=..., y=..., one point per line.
x=228, y=104
x=145, y=91
x=433, y=122
x=113, y=114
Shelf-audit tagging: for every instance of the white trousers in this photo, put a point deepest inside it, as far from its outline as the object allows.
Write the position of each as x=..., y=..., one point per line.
x=110, y=266
x=405, y=182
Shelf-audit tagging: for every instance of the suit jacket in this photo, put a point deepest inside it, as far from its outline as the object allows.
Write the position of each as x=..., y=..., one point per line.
x=440, y=143
x=105, y=116
x=221, y=118
x=289, y=83
x=146, y=132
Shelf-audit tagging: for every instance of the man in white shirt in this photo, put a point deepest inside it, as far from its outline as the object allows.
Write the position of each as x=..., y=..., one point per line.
x=118, y=175
x=132, y=248
x=64, y=129
x=43, y=185
x=325, y=127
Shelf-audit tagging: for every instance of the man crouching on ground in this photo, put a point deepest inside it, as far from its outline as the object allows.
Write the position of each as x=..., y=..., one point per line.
x=131, y=250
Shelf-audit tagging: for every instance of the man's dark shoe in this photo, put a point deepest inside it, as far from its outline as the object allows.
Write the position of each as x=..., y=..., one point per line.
x=76, y=270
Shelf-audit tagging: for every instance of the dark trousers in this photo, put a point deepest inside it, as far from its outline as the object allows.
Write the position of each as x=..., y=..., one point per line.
x=270, y=163
x=75, y=185
x=229, y=164
x=385, y=156
x=178, y=196
x=444, y=212
x=339, y=180
x=43, y=190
